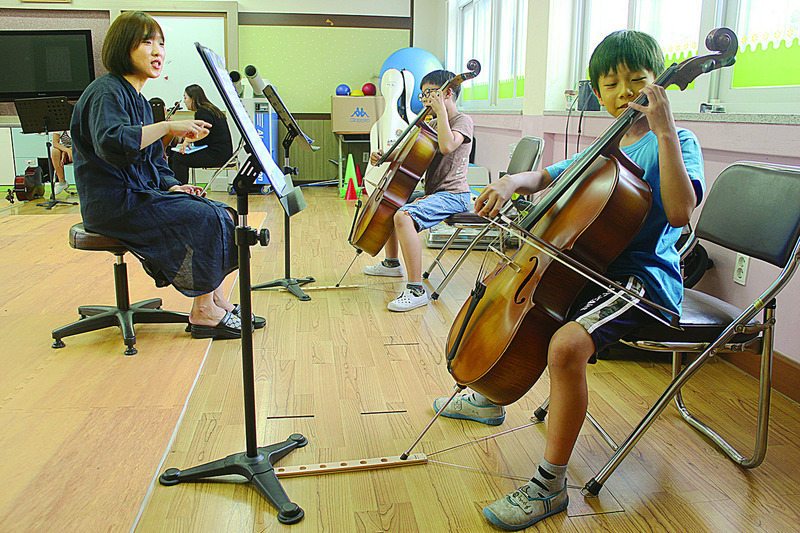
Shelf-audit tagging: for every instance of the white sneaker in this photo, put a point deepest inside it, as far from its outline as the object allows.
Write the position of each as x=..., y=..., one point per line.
x=407, y=301
x=382, y=270
x=61, y=186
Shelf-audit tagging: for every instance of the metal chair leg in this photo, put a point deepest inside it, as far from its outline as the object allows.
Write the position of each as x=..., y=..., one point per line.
x=435, y=294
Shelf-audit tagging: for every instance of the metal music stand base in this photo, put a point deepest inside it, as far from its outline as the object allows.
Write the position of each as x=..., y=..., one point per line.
x=255, y=464
x=257, y=470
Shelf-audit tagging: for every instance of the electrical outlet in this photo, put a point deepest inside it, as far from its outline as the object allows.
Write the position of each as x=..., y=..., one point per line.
x=365, y=157
x=740, y=269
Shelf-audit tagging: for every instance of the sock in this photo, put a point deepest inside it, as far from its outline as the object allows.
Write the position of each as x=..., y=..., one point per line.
x=479, y=399
x=415, y=288
x=549, y=478
x=391, y=262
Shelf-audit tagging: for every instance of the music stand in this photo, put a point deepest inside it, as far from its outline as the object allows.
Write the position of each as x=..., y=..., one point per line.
x=293, y=131
x=46, y=115
x=256, y=464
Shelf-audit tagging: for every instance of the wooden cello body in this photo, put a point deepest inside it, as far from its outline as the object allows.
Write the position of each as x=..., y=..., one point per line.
x=504, y=349
x=499, y=340
x=375, y=225
x=412, y=154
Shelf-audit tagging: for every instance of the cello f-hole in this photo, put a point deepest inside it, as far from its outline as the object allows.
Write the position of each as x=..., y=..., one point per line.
x=517, y=298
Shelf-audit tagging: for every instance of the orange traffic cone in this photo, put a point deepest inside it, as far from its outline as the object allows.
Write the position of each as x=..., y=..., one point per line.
x=351, y=191
x=359, y=178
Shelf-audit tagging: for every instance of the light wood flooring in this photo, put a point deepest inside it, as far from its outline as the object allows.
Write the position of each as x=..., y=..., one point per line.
x=87, y=430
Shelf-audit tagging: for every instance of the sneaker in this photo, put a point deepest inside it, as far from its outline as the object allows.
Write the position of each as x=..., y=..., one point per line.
x=382, y=270
x=466, y=408
x=408, y=301
x=61, y=186
x=521, y=509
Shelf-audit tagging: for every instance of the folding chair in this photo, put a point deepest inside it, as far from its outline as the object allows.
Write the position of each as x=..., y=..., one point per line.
x=751, y=209
x=525, y=158
x=231, y=164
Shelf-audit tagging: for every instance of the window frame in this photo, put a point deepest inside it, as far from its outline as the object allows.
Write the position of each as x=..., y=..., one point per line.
x=456, y=59
x=715, y=87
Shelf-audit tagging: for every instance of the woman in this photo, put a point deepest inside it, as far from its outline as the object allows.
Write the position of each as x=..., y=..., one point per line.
x=61, y=155
x=217, y=142
x=129, y=193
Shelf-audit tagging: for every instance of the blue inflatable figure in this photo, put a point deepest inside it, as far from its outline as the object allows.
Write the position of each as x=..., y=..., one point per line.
x=416, y=60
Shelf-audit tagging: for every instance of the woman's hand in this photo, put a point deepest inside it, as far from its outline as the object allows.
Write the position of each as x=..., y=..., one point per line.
x=188, y=189
x=189, y=129
x=374, y=157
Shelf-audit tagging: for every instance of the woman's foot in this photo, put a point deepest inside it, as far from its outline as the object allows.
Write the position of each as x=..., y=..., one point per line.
x=230, y=327
x=61, y=186
x=206, y=315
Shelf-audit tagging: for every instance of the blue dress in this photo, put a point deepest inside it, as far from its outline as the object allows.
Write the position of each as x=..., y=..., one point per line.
x=181, y=239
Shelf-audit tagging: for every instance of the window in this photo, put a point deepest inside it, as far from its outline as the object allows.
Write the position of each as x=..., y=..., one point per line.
x=494, y=33
x=764, y=78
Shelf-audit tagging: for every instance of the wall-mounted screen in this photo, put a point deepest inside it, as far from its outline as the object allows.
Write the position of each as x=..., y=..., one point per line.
x=35, y=63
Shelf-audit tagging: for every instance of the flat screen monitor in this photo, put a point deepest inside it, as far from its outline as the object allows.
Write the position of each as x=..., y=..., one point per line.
x=39, y=63
x=222, y=80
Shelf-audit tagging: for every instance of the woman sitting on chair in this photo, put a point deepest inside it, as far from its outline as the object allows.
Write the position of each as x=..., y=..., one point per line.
x=217, y=142
x=129, y=193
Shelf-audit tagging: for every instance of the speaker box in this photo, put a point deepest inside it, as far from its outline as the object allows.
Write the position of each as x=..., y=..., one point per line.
x=587, y=101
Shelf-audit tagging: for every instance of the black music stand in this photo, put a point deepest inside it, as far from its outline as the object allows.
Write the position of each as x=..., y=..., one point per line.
x=46, y=115
x=293, y=131
x=256, y=464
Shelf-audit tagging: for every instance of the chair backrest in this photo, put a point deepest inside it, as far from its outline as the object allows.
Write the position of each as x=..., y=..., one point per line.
x=752, y=208
x=526, y=155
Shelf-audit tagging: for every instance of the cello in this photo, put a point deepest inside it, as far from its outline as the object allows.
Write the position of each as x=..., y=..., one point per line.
x=169, y=140
x=373, y=227
x=498, y=342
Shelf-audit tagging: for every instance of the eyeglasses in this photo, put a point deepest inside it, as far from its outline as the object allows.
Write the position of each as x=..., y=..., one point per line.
x=426, y=93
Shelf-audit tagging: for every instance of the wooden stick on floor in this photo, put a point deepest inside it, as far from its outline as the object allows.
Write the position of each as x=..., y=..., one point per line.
x=337, y=467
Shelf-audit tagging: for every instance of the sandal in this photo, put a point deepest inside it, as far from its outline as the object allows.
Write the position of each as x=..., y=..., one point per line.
x=257, y=321
x=230, y=327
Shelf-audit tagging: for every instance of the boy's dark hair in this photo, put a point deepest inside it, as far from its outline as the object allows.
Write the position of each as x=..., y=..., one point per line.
x=636, y=49
x=439, y=78
x=125, y=35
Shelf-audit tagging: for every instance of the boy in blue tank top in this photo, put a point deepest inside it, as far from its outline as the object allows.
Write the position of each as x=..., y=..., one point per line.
x=624, y=64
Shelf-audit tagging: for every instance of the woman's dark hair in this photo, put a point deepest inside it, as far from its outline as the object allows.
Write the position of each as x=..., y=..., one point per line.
x=636, y=49
x=195, y=92
x=439, y=78
x=125, y=35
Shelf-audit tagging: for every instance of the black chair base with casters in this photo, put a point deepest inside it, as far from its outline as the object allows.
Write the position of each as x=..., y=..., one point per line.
x=751, y=210
x=124, y=314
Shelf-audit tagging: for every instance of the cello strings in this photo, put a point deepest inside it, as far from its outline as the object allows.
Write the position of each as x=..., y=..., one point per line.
x=494, y=473
x=494, y=435
x=620, y=291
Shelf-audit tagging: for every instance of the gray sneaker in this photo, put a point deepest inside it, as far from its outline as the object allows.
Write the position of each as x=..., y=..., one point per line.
x=382, y=270
x=465, y=407
x=522, y=508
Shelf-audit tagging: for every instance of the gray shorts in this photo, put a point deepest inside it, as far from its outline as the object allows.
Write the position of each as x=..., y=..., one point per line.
x=429, y=210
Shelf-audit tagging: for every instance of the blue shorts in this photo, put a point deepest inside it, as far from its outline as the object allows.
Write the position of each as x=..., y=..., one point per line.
x=607, y=317
x=429, y=210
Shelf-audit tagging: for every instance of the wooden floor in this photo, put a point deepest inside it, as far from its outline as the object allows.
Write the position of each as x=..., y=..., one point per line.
x=87, y=430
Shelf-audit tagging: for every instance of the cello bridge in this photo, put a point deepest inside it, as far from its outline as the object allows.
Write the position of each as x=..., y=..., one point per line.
x=505, y=259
